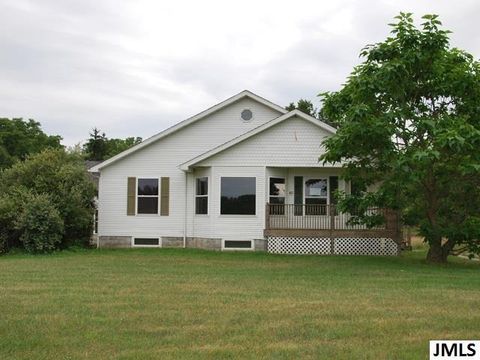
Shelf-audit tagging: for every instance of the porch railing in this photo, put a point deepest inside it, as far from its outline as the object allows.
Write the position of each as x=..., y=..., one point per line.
x=321, y=217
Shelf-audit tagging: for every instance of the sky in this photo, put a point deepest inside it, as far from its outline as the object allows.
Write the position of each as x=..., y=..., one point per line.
x=134, y=68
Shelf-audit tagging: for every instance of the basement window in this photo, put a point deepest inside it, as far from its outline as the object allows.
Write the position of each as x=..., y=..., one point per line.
x=146, y=242
x=238, y=244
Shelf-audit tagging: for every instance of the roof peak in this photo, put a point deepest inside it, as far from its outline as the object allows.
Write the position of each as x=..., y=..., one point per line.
x=190, y=120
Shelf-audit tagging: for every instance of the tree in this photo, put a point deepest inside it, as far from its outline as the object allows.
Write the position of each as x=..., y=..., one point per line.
x=52, y=177
x=100, y=148
x=116, y=146
x=305, y=106
x=96, y=147
x=409, y=121
x=19, y=138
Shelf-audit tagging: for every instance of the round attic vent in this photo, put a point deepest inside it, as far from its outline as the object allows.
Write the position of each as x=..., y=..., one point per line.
x=246, y=115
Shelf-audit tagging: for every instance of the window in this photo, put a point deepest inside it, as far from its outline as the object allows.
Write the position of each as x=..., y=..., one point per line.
x=95, y=222
x=201, y=196
x=246, y=115
x=238, y=196
x=147, y=196
x=316, y=194
x=298, y=195
x=146, y=242
x=238, y=244
x=277, y=196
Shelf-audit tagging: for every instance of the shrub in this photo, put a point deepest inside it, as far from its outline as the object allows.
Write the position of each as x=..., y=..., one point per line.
x=40, y=224
x=8, y=211
x=63, y=178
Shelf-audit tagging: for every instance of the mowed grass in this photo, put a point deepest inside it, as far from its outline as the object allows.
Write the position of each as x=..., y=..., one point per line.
x=161, y=303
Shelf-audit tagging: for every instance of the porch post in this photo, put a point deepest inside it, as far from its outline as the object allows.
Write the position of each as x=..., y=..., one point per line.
x=267, y=217
x=332, y=228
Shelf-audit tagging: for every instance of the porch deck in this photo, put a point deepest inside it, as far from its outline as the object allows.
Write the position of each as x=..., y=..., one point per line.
x=326, y=221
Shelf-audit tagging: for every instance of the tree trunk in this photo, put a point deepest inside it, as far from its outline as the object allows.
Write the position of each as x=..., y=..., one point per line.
x=437, y=253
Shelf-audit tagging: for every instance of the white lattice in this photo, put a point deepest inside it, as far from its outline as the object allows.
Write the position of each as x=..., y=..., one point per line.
x=298, y=245
x=365, y=246
x=342, y=246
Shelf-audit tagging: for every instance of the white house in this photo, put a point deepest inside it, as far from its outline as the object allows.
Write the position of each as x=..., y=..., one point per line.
x=243, y=174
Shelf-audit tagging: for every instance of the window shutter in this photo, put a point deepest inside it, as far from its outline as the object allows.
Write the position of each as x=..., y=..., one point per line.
x=131, y=193
x=164, y=196
x=333, y=189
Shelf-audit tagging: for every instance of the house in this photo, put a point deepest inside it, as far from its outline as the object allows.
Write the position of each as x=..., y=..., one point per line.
x=241, y=175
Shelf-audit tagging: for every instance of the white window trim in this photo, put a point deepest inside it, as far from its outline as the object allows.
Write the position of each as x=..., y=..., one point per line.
x=146, y=246
x=136, y=196
x=207, y=196
x=305, y=179
x=320, y=177
x=252, y=246
x=251, y=119
x=268, y=191
x=220, y=198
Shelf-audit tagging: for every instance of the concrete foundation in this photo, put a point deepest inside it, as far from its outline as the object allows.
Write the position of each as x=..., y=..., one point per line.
x=115, y=241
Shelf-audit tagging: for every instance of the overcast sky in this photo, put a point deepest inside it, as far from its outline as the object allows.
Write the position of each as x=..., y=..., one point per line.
x=133, y=68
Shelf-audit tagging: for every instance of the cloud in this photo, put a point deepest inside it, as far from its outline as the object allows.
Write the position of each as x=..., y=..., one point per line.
x=133, y=68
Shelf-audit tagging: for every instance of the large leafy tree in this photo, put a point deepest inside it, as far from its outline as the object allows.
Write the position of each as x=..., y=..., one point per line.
x=408, y=121
x=19, y=138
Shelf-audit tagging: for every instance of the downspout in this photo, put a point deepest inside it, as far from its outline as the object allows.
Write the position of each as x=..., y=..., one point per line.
x=185, y=213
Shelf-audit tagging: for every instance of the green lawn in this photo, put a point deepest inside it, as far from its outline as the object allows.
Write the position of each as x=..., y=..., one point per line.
x=154, y=303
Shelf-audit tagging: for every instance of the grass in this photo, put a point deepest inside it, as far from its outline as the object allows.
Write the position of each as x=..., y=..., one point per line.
x=147, y=303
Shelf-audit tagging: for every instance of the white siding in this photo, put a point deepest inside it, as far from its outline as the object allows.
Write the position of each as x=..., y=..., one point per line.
x=162, y=159
x=237, y=227
x=199, y=225
x=293, y=142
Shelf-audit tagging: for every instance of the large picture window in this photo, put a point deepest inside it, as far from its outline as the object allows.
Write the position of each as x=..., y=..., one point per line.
x=316, y=195
x=277, y=196
x=238, y=196
x=201, y=196
x=147, y=196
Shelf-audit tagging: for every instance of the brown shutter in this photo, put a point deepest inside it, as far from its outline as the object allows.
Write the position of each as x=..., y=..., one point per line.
x=164, y=196
x=131, y=193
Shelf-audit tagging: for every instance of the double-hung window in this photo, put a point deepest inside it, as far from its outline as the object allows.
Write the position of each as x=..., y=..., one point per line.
x=277, y=196
x=147, y=196
x=201, y=196
x=316, y=195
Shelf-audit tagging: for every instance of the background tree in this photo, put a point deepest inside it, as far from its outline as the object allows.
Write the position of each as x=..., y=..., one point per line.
x=19, y=138
x=116, y=146
x=96, y=146
x=48, y=186
x=409, y=121
x=305, y=106
x=99, y=147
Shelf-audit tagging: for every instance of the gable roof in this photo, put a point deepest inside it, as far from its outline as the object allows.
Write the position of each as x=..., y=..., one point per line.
x=185, y=123
x=186, y=165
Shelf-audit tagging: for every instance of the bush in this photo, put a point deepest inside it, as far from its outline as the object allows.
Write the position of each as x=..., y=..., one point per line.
x=40, y=225
x=9, y=209
x=63, y=178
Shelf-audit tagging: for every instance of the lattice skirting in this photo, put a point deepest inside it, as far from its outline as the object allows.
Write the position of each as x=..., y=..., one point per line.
x=298, y=245
x=322, y=246
x=365, y=246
